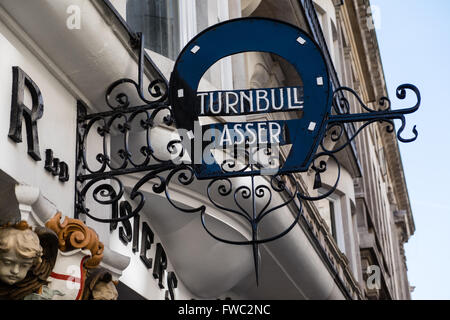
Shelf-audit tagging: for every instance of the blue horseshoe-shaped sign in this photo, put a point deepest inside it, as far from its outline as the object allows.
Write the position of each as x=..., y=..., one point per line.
x=262, y=35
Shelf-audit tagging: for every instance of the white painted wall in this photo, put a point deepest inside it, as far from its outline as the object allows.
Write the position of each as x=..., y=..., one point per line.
x=327, y=18
x=137, y=276
x=56, y=128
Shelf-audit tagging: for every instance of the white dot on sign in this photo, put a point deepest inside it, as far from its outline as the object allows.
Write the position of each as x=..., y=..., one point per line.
x=180, y=93
x=301, y=40
x=312, y=126
x=195, y=49
x=320, y=81
x=190, y=135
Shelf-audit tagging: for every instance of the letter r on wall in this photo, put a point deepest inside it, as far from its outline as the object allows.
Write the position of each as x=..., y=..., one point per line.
x=19, y=110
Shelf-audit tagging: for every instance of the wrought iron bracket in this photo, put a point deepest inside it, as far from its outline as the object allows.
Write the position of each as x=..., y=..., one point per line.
x=341, y=106
x=251, y=202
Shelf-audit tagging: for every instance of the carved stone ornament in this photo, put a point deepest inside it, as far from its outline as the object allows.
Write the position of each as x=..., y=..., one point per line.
x=74, y=234
x=76, y=274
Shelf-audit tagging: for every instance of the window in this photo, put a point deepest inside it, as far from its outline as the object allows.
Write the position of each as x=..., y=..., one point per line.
x=326, y=16
x=158, y=21
x=330, y=210
x=327, y=212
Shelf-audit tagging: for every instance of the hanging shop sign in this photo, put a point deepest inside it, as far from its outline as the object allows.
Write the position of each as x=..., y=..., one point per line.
x=312, y=100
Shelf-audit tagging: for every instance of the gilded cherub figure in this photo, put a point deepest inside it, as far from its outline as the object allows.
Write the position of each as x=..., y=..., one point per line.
x=19, y=251
x=27, y=258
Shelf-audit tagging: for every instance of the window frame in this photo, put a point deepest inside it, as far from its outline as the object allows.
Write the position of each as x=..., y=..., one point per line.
x=336, y=218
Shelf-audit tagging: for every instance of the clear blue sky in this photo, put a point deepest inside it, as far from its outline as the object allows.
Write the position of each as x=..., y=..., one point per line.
x=414, y=39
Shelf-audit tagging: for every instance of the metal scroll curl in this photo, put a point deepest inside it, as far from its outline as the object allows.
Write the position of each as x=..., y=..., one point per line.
x=319, y=169
x=105, y=194
x=226, y=190
x=241, y=201
x=341, y=105
x=254, y=216
x=157, y=89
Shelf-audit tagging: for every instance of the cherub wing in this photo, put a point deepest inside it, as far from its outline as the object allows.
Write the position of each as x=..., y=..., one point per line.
x=49, y=244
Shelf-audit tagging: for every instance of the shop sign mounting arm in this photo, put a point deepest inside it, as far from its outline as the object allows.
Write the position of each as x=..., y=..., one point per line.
x=247, y=150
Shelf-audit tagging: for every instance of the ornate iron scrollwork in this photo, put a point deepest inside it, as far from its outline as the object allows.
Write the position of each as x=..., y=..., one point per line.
x=121, y=118
x=335, y=123
x=224, y=193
